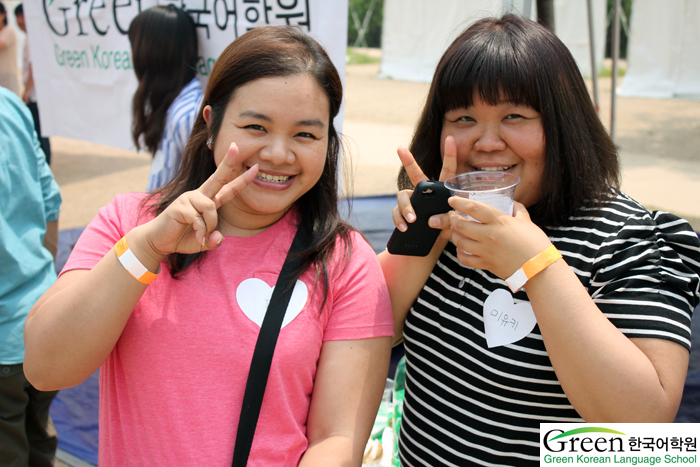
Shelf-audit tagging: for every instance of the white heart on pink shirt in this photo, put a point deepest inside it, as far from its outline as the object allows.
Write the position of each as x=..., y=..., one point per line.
x=253, y=296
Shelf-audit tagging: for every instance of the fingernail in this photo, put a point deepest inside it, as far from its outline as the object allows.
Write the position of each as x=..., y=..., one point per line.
x=402, y=227
x=221, y=240
x=204, y=241
x=434, y=222
x=410, y=217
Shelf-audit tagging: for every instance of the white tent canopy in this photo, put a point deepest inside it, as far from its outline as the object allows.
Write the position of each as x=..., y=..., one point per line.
x=663, y=51
x=416, y=32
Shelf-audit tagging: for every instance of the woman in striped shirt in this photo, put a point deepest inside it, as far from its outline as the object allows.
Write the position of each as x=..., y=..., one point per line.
x=164, y=48
x=600, y=335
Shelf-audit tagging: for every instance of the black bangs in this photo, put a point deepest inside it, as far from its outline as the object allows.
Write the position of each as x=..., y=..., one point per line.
x=494, y=66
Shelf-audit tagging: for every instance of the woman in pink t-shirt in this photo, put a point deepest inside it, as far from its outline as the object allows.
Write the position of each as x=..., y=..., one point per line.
x=174, y=348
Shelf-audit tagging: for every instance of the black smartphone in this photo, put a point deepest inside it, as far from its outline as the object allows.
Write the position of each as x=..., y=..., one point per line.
x=429, y=198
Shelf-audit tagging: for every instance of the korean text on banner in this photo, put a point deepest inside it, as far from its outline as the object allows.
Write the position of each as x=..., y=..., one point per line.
x=82, y=61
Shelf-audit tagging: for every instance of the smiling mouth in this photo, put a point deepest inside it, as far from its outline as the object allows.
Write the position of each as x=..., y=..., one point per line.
x=273, y=178
x=495, y=169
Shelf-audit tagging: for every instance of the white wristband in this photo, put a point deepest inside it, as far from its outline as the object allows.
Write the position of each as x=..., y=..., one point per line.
x=131, y=263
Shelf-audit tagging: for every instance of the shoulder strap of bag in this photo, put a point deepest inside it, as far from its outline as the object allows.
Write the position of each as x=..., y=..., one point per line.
x=262, y=355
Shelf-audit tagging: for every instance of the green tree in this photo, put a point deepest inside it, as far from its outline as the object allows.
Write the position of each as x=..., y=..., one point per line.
x=373, y=34
x=624, y=27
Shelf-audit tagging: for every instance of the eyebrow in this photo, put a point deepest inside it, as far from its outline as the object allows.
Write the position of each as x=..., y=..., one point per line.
x=313, y=122
x=250, y=113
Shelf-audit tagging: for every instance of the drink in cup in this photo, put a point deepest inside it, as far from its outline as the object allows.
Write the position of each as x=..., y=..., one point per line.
x=493, y=188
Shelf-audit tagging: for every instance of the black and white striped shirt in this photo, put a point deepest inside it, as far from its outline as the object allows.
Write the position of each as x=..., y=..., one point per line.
x=467, y=404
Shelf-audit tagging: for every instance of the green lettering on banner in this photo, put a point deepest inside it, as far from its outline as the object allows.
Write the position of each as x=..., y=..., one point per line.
x=204, y=67
x=101, y=59
x=105, y=59
x=71, y=58
x=95, y=59
x=126, y=61
x=201, y=66
x=60, y=59
x=80, y=58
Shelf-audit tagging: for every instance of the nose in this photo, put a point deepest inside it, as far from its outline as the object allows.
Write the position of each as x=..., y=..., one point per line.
x=490, y=140
x=277, y=152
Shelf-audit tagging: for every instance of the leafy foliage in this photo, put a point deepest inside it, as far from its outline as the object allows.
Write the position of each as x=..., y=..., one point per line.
x=624, y=27
x=373, y=35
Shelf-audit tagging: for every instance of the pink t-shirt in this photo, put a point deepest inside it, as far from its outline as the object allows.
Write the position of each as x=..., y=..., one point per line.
x=172, y=388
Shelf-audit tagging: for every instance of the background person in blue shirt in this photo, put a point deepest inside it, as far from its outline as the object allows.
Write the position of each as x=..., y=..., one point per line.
x=164, y=49
x=29, y=209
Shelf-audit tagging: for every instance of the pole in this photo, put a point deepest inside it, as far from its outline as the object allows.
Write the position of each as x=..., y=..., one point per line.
x=591, y=43
x=616, y=58
x=545, y=13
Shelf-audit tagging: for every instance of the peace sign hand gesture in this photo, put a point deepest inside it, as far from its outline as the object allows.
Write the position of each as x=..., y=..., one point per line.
x=189, y=224
x=404, y=211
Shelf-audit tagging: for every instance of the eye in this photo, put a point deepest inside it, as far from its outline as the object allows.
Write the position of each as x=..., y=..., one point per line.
x=458, y=115
x=255, y=127
x=465, y=119
x=513, y=116
x=305, y=134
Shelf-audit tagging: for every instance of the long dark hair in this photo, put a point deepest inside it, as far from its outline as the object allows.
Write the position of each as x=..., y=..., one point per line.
x=3, y=11
x=512, y=59
x=164, y=51
x=264, y=53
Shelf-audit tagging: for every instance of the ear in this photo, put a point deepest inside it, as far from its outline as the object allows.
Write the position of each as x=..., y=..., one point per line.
x=206, y=113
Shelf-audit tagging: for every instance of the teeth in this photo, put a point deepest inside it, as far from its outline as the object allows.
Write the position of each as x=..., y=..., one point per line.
x=495, y=169
x=273, y=178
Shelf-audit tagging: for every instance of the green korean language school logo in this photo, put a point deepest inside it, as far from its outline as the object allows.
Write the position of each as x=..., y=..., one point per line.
x=599, y=445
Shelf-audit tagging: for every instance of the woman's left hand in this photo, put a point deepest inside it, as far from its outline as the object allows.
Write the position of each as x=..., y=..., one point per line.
x=498, y=243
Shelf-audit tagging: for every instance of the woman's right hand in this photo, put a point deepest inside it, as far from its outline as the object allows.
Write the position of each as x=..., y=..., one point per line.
x=189, y=224
x=404, y=212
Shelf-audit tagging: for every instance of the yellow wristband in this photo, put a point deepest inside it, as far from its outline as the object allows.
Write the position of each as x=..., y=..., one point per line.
x=535, y=265
x=132, y=265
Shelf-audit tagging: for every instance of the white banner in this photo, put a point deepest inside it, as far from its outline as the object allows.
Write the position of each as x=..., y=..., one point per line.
x=81, y=56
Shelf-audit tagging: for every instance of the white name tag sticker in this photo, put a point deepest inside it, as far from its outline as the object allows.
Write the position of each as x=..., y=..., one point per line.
x=504, y=321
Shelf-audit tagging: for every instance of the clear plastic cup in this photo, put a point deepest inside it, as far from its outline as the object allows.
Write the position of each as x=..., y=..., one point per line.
x=493, y=188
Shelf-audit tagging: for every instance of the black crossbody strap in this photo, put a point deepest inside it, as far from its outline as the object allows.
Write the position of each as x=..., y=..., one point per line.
x=262, y=355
